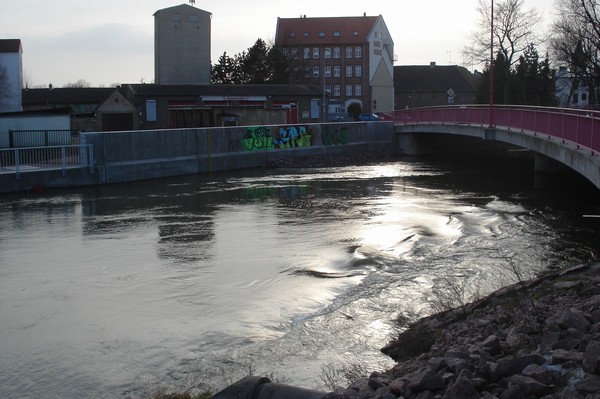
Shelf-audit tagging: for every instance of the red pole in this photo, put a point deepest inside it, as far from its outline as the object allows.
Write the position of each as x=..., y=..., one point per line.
x=492, y=66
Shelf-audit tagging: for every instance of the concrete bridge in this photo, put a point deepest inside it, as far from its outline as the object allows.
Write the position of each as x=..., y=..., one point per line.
x=569, y=136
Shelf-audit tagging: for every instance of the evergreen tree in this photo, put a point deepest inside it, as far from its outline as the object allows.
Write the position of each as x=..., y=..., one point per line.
x=260, y=64
x=225, y=71
x=255, y=64
x=529, y=82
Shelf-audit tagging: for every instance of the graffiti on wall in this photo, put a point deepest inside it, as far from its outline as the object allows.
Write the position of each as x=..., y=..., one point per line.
x=334, y=136
x=271, y=138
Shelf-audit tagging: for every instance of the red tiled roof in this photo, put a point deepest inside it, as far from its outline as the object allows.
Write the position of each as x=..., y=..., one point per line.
x=315, y=31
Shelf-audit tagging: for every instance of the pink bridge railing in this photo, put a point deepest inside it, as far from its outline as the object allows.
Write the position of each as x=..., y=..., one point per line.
x=577, y=126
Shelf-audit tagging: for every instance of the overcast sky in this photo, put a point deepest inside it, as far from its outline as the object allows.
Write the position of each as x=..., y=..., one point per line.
x=111, y=41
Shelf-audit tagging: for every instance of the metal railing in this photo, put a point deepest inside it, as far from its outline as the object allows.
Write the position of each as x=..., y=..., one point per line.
x=35, y=159
x=40, y=138
x=578, y=126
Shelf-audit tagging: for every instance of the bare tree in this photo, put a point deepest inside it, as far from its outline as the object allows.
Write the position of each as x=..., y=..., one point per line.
x=576, y=42
x=515, y=28
x=79, y=84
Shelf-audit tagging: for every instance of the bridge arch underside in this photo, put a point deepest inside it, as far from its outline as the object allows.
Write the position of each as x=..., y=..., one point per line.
x=431, y=139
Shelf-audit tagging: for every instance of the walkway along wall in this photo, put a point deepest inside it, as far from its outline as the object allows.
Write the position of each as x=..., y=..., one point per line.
x=148, y=154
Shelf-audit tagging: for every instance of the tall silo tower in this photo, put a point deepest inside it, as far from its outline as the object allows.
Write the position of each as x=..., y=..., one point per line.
x=182, y=46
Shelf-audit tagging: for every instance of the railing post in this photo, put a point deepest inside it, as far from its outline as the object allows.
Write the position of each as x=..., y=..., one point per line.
x=17, y=175
x=91, y=157
x=63, y=160
x=577, y=130
x=592, y=135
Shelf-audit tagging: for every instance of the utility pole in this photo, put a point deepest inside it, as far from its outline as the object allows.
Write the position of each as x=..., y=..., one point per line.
x=492, y=66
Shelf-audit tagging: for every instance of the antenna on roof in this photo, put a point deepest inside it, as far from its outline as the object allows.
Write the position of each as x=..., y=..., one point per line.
x=192, y=2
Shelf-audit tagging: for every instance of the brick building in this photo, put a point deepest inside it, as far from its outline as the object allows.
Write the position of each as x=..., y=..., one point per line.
x=349, y=58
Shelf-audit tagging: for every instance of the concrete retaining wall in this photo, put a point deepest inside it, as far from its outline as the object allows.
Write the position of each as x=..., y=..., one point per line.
x=148, y=154
x=139, y=155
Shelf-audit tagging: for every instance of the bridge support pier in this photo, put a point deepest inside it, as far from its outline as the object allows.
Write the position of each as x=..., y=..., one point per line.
x=546, y=164
x=408, y=144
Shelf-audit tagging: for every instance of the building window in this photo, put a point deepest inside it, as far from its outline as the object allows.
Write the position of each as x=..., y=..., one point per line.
x=292, y=34
x=307, y=72
x=193, y=18
x=337, y=71
x=176, y=17
x=306, y=53
x=583, y=96
x=348, y=90
x=358, y=70
x=336, y=33
x=316, y=52
x=357, y=52
x=151, y=110
x=327, y=71
x=575, y=98
x=348, y=52
x=358, y=90
x=355, y=33
x=294, y=52
x=336, y=90
x=321, y=34
x=328, y=89
x=327, y=52
x=348, y=71
x=336, y=52
x=315, y=71
x=305, y=34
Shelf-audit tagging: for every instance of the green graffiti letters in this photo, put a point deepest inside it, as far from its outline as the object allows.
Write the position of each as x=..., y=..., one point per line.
x=264, y=138
x=335, y=137
x=259, y=138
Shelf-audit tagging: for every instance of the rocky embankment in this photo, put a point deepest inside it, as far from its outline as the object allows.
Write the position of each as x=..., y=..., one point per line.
x=537, y=339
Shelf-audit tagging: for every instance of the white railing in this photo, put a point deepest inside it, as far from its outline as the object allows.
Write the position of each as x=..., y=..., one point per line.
x=58, y=157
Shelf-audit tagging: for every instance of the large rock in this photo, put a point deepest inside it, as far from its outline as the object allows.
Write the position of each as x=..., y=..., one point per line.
x=462, y=388
x=458, y=360
x=508, y=367
x=591, y=358
x=425, y=380
x=589, y=385
x=528, y=385
x=571, y=319
x=492, y=345
x=539, y=373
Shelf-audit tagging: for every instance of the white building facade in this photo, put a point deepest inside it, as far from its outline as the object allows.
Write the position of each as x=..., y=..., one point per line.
x=566, y=94
x=11, y=75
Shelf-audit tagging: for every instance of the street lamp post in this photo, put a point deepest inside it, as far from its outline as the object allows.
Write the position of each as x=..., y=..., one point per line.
x=492, y=66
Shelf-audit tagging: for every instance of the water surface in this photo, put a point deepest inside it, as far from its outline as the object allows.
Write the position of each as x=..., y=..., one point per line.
x=116, y=291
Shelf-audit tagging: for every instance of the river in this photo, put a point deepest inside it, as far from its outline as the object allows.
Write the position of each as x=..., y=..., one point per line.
x=298, y=274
